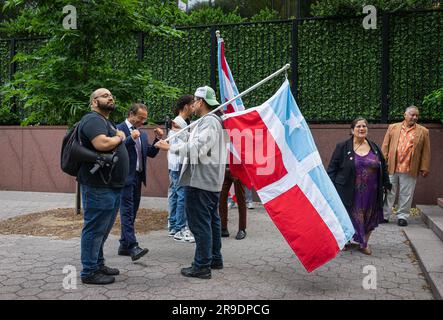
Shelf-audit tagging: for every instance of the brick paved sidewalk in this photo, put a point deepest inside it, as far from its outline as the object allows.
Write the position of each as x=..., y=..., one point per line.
x=262, y=266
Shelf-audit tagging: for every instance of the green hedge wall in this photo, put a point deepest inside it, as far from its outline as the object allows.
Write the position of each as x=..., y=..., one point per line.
x=416, y=59
x=339, y=70
x=339, y=64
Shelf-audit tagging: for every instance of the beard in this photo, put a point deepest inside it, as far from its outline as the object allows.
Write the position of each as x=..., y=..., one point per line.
x=106, y=106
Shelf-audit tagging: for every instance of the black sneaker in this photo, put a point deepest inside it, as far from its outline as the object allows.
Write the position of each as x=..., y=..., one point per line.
x=98, y=278
x=109, y=271
x=225, y=233
x=217, y=265
x=202, y=273
x=241, y=235
x=402, y=222
x=137, y=253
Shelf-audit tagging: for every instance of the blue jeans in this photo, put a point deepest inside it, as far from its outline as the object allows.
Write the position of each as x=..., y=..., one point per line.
x=248, y=195
x=100, y=209
x=176, y=199
x=204, y=222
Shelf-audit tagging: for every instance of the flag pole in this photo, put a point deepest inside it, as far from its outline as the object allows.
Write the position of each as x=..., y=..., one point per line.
x=255, y=86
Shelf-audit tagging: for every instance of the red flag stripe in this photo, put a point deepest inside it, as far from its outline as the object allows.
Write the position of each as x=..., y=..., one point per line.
x=302, y=228
x=249, y=146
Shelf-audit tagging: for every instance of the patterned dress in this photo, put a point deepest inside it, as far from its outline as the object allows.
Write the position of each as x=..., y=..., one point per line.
x=365, y=215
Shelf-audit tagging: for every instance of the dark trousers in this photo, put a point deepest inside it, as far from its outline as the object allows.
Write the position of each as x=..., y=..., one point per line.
x=130, y=201
x=241, y=202
x=204, y=222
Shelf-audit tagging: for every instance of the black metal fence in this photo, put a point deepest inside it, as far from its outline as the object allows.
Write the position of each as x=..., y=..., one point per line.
x=339, y=69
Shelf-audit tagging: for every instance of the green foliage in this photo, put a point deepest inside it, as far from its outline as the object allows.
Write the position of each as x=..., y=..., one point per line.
x=265, y=15
x=54, y=81
x=339, y=72
x=416, y=62
x=207, y=15
x=244, y=7
x=339, y=62
x=434, y=103
x=354, y=7
x=253, y=52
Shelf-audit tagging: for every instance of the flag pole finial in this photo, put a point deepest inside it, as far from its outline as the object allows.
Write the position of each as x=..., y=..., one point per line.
x=217, y=34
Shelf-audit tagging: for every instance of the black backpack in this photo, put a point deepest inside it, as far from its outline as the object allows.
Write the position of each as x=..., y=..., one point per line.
x=68, y=161
x=73, y=154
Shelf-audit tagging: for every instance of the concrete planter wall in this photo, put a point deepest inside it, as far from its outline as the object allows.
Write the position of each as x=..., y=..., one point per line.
x=30, y=157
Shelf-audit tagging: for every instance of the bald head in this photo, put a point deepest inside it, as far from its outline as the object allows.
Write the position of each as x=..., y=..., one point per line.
x=97, y=93
x=102, y=99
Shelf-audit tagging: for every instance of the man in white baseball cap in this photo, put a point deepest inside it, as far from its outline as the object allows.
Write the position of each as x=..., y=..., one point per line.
x=203, y=173
x=207, y=94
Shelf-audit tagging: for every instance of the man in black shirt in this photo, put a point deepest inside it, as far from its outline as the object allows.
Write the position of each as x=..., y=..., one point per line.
x=100, y=190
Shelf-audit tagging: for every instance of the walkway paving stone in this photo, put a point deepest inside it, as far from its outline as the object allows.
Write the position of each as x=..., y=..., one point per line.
x=262, y=266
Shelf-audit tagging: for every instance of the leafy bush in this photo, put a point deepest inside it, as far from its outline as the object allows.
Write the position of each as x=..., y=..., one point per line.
x=354, y=7
x=434, y=103
x=339, y=62
x=55, y=78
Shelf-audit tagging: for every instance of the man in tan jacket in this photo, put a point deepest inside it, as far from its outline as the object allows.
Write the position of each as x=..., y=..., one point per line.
x=407, y=150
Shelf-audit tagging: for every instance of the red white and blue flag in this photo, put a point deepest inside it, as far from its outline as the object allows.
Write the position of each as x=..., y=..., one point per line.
x=278, y=153
x=228, y=90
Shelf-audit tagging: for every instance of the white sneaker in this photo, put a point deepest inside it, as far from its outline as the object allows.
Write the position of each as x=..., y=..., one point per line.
x=184, y=236
x=189, y=237
x=251, y=205
x=231, y=204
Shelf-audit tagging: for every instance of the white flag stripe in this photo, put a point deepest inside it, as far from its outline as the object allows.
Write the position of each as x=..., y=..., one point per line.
x=229, y=92
x=310, y=162
x=297, y=176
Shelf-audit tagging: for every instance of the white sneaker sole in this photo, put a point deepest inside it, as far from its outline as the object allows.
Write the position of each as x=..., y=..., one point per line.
x=183, y=240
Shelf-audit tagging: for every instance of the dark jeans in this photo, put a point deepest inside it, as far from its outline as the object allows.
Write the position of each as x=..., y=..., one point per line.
x=204, y=223
x=240, y=194
x=100, y=209
x=130, y=201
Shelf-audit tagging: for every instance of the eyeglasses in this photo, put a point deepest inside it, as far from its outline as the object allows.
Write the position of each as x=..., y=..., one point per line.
x=106, y=96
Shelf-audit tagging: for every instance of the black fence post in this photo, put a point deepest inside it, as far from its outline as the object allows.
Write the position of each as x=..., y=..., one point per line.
x=12, y=71
x=213, y=58
x=385, y=68
x=141, y=46
x=294, y=59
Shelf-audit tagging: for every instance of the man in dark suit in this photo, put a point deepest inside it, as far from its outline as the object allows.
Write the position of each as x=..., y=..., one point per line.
x=138, y=149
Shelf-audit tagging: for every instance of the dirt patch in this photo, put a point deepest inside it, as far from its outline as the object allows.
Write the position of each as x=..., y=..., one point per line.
x=66, y=224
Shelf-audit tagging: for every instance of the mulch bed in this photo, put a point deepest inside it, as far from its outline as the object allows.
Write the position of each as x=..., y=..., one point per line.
x=64, y=223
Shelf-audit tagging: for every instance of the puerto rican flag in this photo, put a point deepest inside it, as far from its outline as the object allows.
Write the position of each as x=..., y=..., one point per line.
x=278, y=153
x=228, y=90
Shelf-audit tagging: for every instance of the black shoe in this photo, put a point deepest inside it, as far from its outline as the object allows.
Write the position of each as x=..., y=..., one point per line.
x=217, y=265
x=109, y=271
x=241, y=235
x=98, y=278
x=225, y=233
x=385, y=221
x=124, y=252
x=202, y=273
x=137, y=253
x=402, y=222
